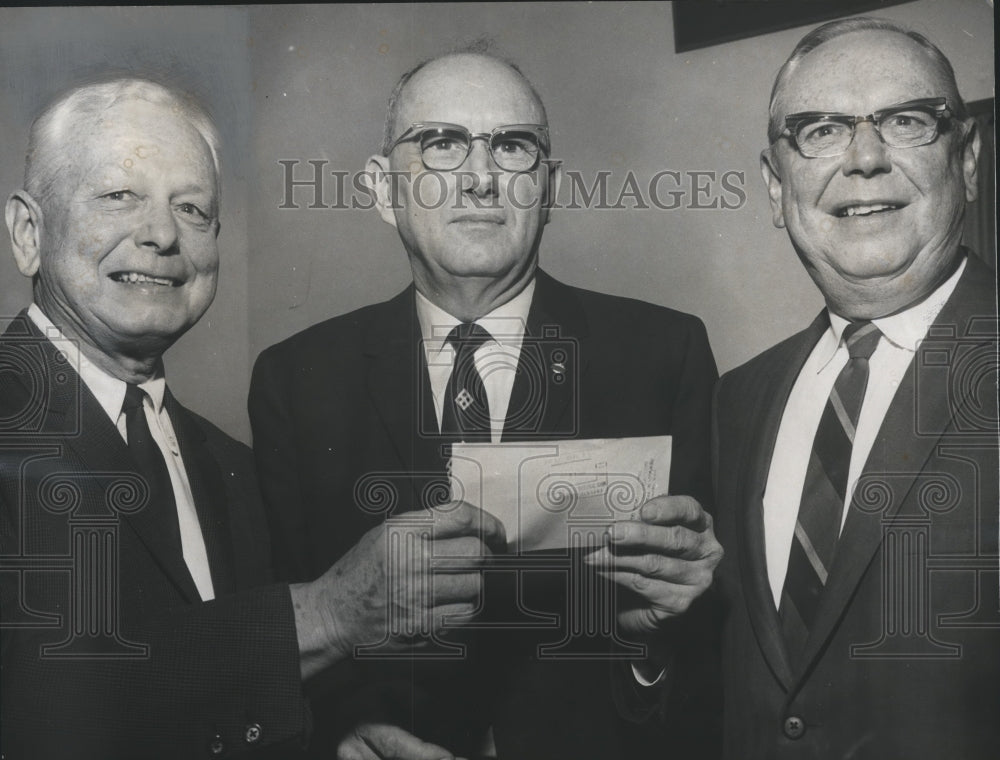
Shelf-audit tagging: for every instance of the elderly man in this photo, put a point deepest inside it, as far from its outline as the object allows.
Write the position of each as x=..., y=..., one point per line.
x=856, y=467
x=465, y=178
x=134, y=565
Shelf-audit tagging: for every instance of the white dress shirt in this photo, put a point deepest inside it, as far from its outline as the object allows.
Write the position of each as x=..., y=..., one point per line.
x=496, y=360
x=901, y=335
x=110, y=394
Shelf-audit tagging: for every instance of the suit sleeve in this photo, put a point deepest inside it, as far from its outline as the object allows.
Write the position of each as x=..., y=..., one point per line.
x=690, y=469
x=217, y=674
x=274, y=446
x=685, y=709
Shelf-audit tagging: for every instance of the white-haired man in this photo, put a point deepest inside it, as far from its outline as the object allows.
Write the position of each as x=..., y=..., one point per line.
x=138, y=615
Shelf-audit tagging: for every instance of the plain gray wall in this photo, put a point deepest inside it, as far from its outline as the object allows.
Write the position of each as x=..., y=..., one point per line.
x=310, y=82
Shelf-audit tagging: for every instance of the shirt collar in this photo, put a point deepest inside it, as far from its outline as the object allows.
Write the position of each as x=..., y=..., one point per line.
x=108, y=390
x=506, y=323
x=904, y=329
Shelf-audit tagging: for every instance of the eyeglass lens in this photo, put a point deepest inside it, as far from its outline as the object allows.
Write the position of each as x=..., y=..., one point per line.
x=444, y=149
x=831, y=135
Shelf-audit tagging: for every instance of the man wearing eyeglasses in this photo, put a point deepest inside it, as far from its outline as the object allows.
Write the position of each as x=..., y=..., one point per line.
x=856, y=469
x=486, y=347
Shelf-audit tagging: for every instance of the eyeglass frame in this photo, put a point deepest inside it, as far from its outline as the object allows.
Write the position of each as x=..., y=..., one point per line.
x=938, y=106
x=416, y=129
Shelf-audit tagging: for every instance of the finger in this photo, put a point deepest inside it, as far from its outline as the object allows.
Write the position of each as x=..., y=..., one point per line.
x=393, y=743
x=641, y=621
x=354, y=748
x=675, y=510
x=460, y=519
x=632, y=536
x=668, y=598
x=453, y=615
x=452, y=588
x=680, y=572
x=467, y=551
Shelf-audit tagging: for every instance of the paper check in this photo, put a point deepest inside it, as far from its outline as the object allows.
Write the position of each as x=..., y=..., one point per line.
x=558, y=494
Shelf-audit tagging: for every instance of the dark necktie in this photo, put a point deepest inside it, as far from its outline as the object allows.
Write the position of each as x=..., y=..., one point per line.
x=151, y=465
x=817, y=526
x=466, y=412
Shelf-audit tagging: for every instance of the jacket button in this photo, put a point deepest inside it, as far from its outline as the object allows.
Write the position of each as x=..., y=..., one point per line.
x=794, y=727
x=252, y=733
x=216, y=747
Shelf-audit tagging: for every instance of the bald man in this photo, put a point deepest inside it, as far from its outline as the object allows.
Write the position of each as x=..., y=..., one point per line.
x=466, y=177
x=857, y=460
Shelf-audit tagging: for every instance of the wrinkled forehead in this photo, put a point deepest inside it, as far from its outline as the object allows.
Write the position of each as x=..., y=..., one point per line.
x=475, y=91
x=861, y=72
x=135, y=134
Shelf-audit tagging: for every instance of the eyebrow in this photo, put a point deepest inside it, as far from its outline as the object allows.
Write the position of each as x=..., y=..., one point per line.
x=194, y=187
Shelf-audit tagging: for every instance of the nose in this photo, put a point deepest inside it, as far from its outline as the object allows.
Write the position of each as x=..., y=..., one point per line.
x=480, y=173
x=867, y=154
x=158, y=228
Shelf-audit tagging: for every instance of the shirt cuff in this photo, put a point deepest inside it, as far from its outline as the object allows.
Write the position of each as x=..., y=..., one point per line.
x=646, y=682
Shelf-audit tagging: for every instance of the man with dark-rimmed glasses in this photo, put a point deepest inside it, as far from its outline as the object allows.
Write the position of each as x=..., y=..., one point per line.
x=856, y=468
x=486, y=347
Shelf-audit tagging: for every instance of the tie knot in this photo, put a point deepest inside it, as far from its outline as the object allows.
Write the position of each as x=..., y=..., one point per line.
x=134, y=396
x=861, y=339
x=468, y=336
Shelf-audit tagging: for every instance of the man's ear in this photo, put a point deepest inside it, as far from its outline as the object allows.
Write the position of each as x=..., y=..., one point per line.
x=382, y=187
x=24, y=222
x=553, y=180
x=970, y=159
x=773, y=182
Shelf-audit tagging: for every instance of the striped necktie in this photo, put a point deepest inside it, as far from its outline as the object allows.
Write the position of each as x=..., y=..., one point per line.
x=824, y=493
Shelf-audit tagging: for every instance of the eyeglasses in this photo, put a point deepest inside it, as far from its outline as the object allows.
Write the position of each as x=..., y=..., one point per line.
x=444, y=147
x=818, y=134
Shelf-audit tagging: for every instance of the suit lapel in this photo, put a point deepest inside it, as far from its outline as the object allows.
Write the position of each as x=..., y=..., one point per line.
x=767, y=400
x=209, y=494
x=38, y=390
x=551, y=367
x=399, y=387
x=923, y=408
x=101, y=451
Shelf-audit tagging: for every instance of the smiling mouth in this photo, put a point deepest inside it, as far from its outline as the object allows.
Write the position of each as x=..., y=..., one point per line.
x=867, y=209
x=138, y=278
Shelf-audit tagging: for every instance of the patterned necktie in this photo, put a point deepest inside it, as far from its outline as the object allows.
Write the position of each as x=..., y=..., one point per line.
x=152, y=467
x=817, y=526
x=466, y=413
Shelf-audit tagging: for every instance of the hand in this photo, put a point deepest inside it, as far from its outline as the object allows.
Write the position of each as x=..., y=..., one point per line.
x=366, y=599
x=379, y=741
x=666, y=558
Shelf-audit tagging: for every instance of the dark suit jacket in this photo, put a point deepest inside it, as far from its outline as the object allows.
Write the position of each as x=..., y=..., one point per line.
x=350, y=398
x=107, y=650
x=904, y=661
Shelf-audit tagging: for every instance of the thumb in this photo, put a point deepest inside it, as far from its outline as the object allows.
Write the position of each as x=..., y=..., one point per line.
x=393, y=743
